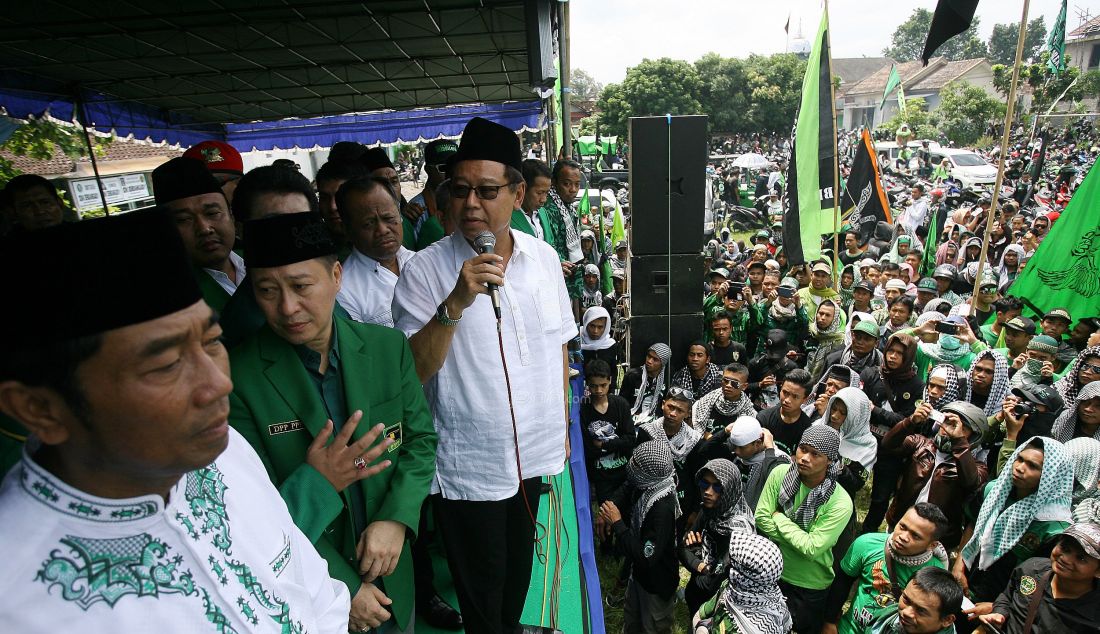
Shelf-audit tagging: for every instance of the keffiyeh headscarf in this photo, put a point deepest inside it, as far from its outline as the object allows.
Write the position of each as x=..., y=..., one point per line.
x=1070, y=383
x=947, y=348
x=752, y=597
x=1084, y=455
x=730, y=515
x=998, y=390
x=681, y=444
x=1066, y=423
x=651, y=473
x=1003, y=274
x=943, y=253
x=591, y=296
x=605, y=341
x=828, y=340
x=998, y=529
x=951, y=375
x=857, y=444
x=647, y=405
x=701, y=417
x=566, y=218
x=826, y=441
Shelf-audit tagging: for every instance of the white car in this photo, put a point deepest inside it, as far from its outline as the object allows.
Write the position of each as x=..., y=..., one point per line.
x=969, y=168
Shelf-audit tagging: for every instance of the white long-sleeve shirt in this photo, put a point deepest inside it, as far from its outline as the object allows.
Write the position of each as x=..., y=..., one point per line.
x=223, y=555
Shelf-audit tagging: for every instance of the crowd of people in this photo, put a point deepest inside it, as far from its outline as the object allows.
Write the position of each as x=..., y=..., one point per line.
x=259, y=405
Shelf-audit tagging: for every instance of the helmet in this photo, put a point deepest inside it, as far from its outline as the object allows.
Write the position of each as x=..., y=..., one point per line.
x=946, y=271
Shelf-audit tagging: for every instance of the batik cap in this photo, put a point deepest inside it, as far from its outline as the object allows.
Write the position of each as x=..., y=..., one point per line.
x=1087, y=534
x=1022, y=324
x=96, y=286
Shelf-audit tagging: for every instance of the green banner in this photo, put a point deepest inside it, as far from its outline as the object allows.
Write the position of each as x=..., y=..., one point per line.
x=1056, y=43
x=1065, y=270
x=810, y=196
x=893, y=82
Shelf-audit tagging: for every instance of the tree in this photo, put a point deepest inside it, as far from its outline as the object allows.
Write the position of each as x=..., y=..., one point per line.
x=584, y=86
x=1044, y=85
x=1002, y=42
x=966, y=111
x=43, y=139
x=907, y=42
x=920, y=120
x=724, y=93
x=775, y=84
x=653, y=87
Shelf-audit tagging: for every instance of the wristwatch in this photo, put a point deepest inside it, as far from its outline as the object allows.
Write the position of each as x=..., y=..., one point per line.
x=441, y=316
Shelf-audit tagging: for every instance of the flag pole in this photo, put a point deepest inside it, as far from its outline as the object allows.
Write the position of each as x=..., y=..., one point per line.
x=1009, y=113
x=836, y=161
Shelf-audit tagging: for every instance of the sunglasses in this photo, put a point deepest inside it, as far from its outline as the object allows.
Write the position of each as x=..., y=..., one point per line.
x=680, y=393
x=1090, y=367
x=734, y=383
x=704, y=485
x=483, y=192
x=988, y=289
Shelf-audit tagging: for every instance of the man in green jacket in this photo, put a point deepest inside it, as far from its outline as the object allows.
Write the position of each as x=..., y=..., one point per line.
x=307, y=375
x=804, y=512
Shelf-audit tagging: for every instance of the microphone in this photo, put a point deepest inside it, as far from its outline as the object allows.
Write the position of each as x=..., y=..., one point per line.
x=484, y=243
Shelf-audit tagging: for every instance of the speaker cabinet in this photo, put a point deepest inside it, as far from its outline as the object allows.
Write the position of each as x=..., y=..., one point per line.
x=666, y=284
x=668, y=163
x=540, y=43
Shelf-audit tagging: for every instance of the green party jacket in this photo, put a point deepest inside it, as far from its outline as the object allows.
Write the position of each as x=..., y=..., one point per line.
x=276, y=406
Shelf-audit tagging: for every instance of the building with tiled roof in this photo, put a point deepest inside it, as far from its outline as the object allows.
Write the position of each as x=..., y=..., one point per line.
x=1083, y=46
x=861, y=101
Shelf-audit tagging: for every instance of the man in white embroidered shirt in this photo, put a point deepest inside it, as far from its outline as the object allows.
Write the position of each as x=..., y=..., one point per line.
x=370, y=214
x=483, y=508
x=135, y=508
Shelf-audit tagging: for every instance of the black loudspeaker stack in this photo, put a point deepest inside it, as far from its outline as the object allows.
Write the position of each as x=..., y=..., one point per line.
x=668, y=161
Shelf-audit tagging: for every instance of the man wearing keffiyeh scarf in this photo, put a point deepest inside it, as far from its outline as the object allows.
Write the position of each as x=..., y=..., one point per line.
x=648, y=383
x=1077, y=375
x=649, y=540
x=1081, y=416
x=1084, y=454
x=561, y=225
x=1029, y=502
x=721, y=407
x=705, y=543
x=987, y=382
x=699, y=375
x=803, y=511
x=750, y=601
x=826, y=335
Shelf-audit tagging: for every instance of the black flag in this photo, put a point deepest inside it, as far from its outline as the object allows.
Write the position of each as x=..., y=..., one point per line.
x=863, y=202
x=951, y=18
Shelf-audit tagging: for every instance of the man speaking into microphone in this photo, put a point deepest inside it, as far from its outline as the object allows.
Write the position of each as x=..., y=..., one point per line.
x=502, y=422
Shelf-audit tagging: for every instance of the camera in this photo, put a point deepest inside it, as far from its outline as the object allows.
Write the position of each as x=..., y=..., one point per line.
x=785, y=291
x=946, y=328
x=735, y=289
x=1020, y=410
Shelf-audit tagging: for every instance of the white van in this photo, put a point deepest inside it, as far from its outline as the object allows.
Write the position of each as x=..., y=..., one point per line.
x=966, y=166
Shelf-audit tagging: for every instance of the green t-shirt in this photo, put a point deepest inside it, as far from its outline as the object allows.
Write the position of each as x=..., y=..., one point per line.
x=860, y=561
x=807, y=556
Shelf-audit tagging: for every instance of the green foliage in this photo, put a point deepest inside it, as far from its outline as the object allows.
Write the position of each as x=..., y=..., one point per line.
x=43, y=139
x=587, y=126
x=775, y=83
x=920, y=120
x=1044, y=85
x=723, y=93
x=1002, y=42
x=1090, y=84
x=966, y=111
x=653, y=87
x=907, y=42
x=584, y=87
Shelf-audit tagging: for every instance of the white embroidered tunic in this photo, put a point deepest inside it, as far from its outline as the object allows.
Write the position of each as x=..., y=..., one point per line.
x=222, y=556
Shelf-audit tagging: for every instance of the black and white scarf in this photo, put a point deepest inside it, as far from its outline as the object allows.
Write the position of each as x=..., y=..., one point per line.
x=652, y=474
x=826, y=441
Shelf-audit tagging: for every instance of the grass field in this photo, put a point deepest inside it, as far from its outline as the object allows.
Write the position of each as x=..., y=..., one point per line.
x=609, y=566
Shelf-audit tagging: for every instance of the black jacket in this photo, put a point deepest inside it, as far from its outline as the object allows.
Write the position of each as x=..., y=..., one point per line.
x=652, y=553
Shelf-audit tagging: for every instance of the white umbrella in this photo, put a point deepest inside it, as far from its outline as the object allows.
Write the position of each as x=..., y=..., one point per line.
x=752, y=161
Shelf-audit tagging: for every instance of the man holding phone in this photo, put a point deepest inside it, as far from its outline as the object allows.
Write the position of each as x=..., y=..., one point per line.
x=956, y=344
x=944, y=469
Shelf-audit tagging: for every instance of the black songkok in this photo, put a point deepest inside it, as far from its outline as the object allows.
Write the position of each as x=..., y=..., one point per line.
x=286, y=239
x=182, y=178
x=107, y=273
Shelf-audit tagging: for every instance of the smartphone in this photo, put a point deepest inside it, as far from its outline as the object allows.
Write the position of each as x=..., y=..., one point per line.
x=735, y=290
x=936, y=417
x=946, y=328
x=785, y=291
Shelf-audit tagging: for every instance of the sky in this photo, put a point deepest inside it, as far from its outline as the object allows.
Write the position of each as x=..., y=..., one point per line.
x=609, y=36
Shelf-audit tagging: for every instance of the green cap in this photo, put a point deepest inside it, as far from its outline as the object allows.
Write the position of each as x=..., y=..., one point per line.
x=866, y=326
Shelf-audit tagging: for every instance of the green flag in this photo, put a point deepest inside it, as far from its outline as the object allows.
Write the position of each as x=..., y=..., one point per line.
x=1065, y=270
x=809, y=198
x=893, y=82
x=1056, y=43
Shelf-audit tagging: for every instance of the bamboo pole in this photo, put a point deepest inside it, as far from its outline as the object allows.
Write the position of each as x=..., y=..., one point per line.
x=836, y=159
x=1009, y=113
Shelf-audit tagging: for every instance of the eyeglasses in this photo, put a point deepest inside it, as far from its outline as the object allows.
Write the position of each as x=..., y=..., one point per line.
x=483, y=192
x=988, y=289
x=1090, y=367
x=680, y=393
x=734, y=383
x=704, y=485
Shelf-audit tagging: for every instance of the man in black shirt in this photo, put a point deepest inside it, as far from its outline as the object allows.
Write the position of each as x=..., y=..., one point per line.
x=786, y=421
x=724, y=350
x=1069, y=600
x=608, y=431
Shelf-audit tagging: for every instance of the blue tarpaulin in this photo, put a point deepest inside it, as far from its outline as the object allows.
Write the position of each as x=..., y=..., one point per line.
x=26, y=97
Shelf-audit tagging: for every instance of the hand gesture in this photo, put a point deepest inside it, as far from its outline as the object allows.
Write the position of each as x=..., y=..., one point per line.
x=966, y=335
x=747, y=294
x=1019, y=361
x=341, y=463
x=610, y=512
x=959, y=572
x=1047, y=371
x=992, y=619
x=413, y=211
x=567, y=268
x=693, y=538
x=979, y=610
x=767, y=381
x=769, y=439
x=921, y=414
x=476, y=272
x=1012, y=423
x=821, y=403
x=368, y=608
x=379, y=548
